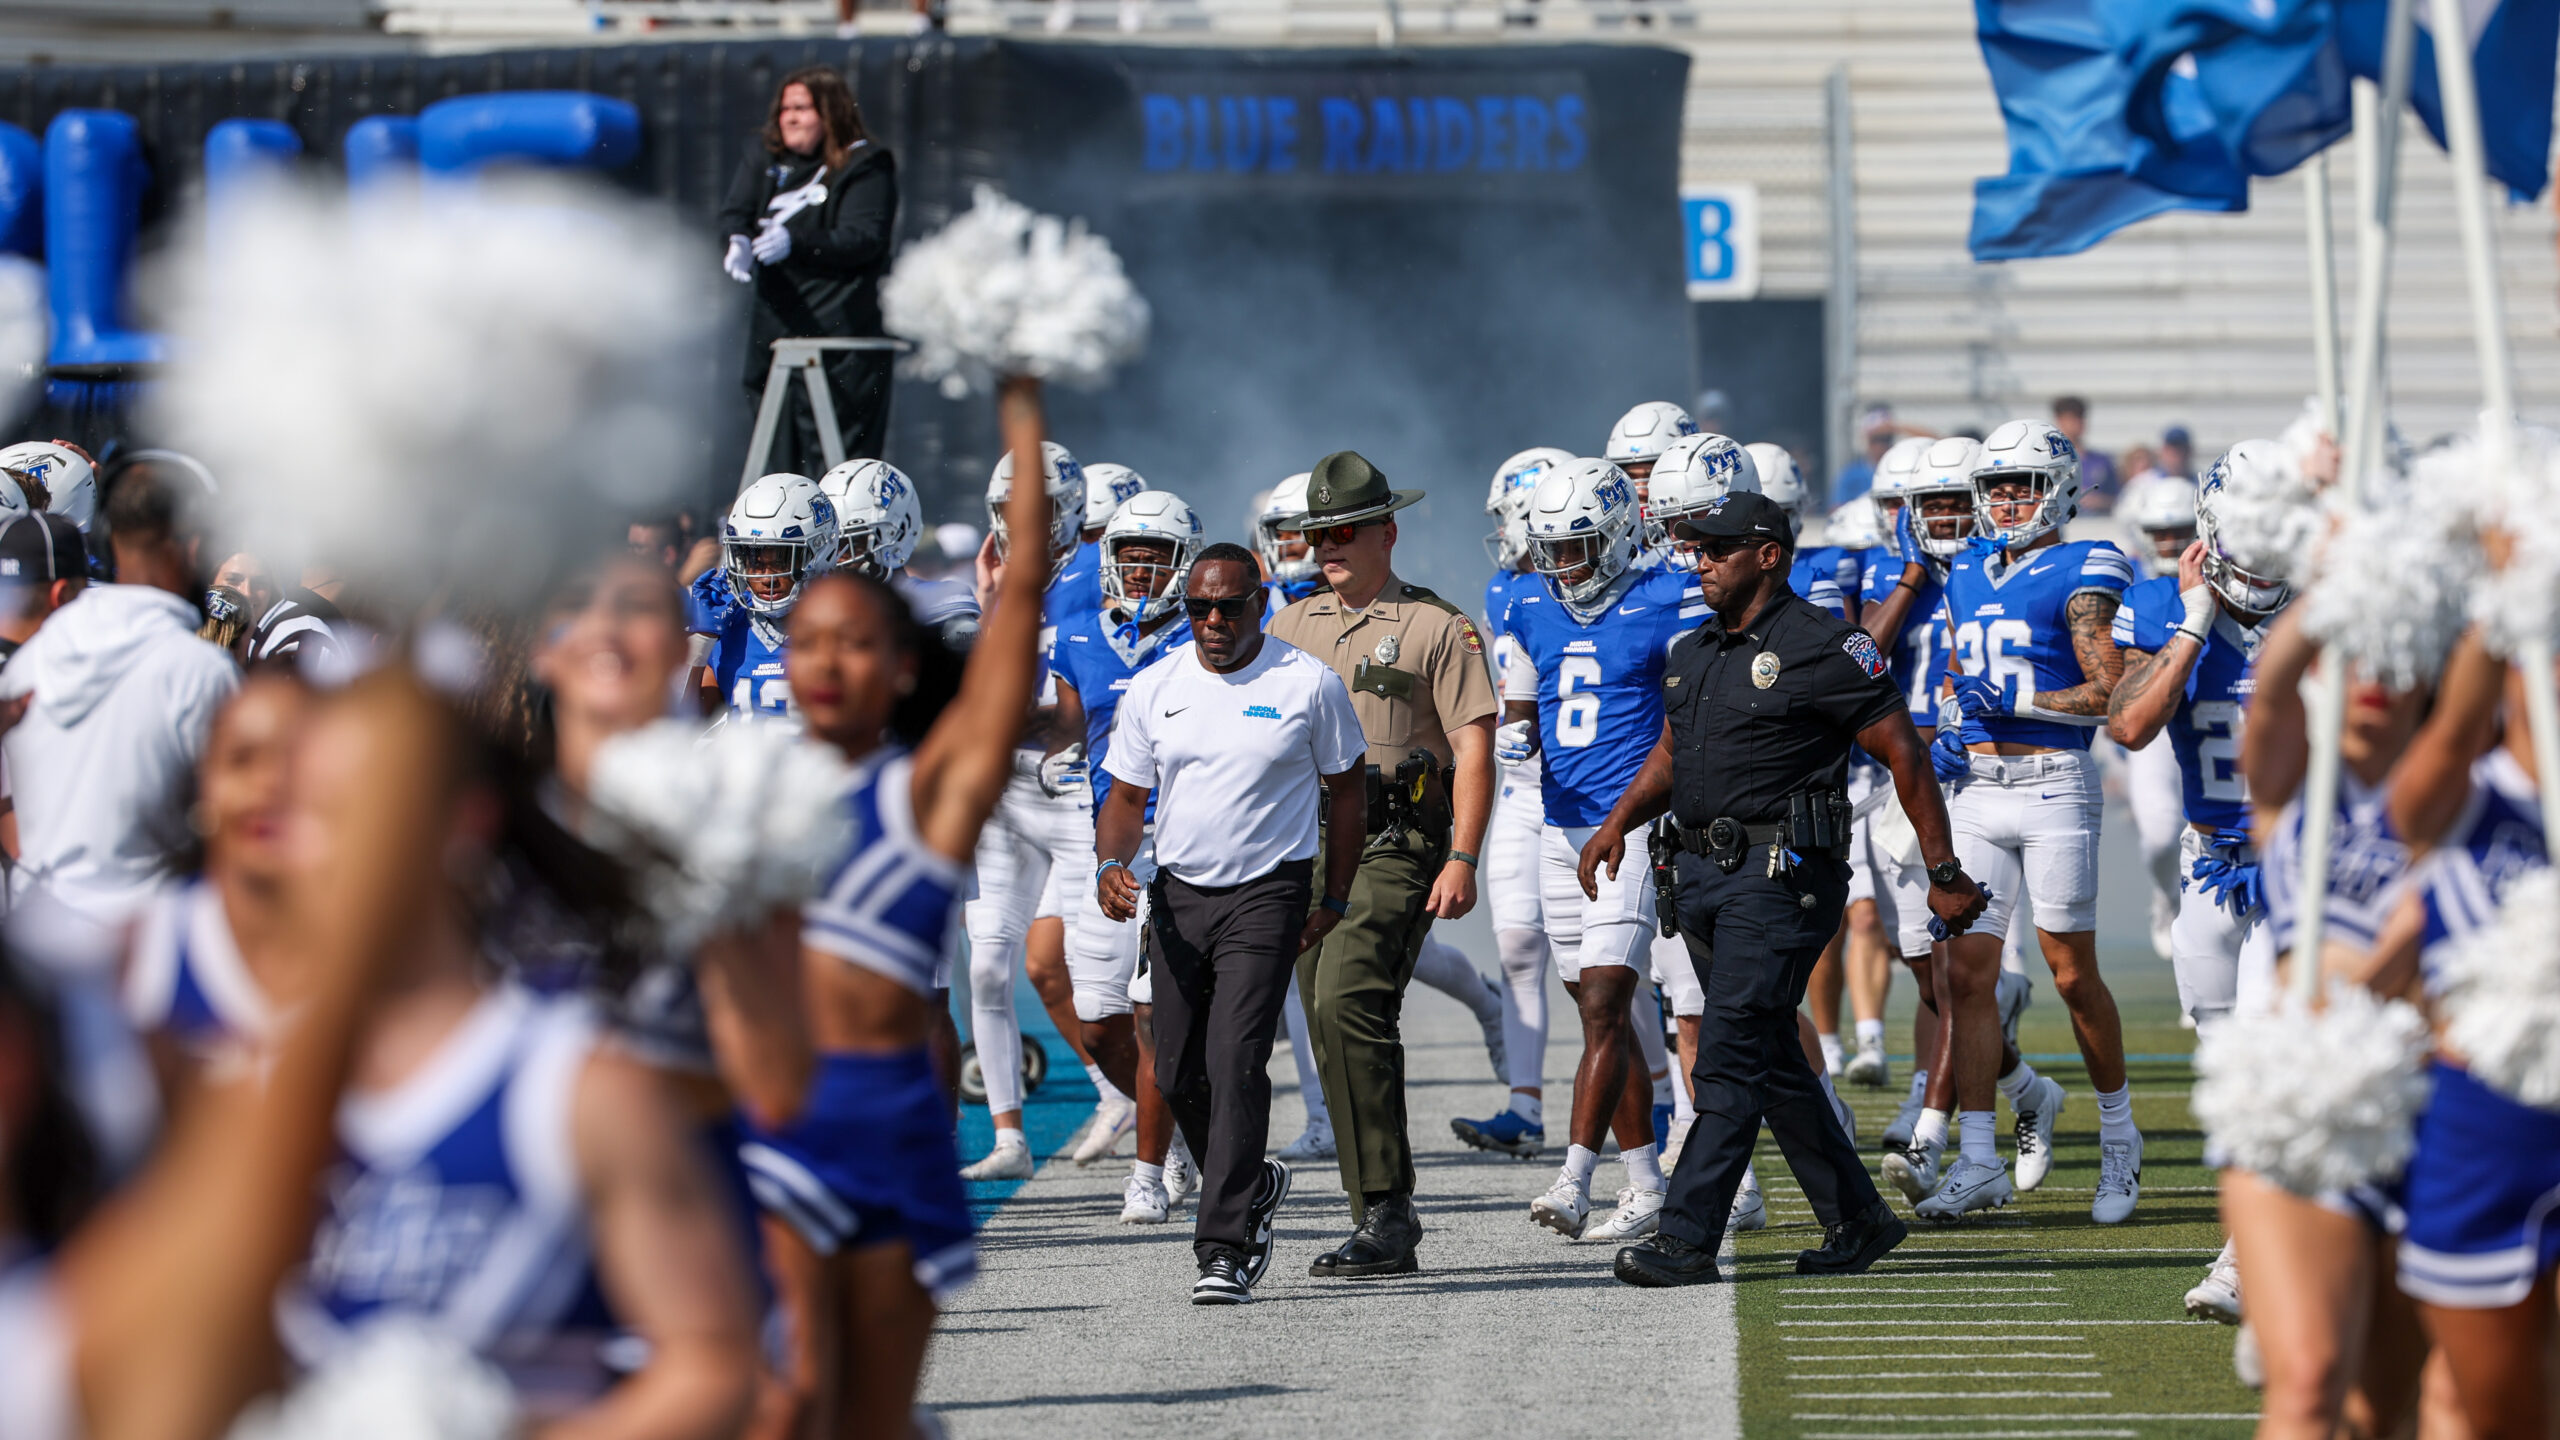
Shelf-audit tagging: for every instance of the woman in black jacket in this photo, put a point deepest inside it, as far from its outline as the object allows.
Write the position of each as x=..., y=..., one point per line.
x=808, y=219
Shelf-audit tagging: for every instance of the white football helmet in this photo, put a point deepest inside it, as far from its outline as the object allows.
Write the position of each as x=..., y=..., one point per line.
x=1642, y=434
x=1064, y=479
x=1582, y=518
x=1945, y=469
x=2162, y=510
x=2046, y=457
x=2266, y=472
x=878, y=520
x=1288, y=501
x=1508, y=501
x=70, y=480
x=1893, y=474
x=1152, y=515
x=1779, y=479
x=1107, y=487
x=1855, y=524
x=1690, y=476
x=781, y=527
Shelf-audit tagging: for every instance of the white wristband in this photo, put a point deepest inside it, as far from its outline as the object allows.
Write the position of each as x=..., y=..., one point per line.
x=2200, y=607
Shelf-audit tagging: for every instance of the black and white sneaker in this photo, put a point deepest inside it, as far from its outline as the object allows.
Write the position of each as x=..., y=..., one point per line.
x=1266, y=1202
x=1222, y=1282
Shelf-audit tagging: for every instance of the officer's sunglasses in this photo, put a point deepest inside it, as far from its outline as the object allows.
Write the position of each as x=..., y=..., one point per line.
x=1232, y=607
x=1714, y=547
x=1338, y=534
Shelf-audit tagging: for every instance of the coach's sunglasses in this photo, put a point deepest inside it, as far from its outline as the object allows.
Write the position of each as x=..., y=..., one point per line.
x=1233, y=607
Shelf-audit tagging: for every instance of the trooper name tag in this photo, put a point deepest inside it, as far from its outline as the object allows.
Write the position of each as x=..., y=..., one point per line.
x=1764, y=669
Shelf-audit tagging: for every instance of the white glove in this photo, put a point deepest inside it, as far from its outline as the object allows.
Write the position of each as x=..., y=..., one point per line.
x=1063, y=771
x=736, y=263
x=2201, y=605
x=772, y=243
x=1950, y=714
x=1514, y=743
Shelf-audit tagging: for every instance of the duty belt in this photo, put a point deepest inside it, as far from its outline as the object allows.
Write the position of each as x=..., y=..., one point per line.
x=1724, y=840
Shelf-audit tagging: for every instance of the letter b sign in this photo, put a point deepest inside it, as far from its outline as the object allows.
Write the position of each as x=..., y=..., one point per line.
x=1720, y=228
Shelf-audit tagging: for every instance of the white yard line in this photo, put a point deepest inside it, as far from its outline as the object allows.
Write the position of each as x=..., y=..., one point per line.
x=2051, y=1415
x=1963, y=1375
x=1959, y=1395
x=1844, y=1288
x=1932, y=1339
x=1942, y=1305
x=1871, y=1355
x=1968, y=1434
x=2073, y=1323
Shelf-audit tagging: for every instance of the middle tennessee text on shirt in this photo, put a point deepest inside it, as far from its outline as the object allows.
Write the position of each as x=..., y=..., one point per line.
x=1599, y=688
x=1093, y=658
x=890, y=900
x=2368, y=866
x=2204, y=731
x=2010, y=625
x=1918, y=655
x=2497, y=840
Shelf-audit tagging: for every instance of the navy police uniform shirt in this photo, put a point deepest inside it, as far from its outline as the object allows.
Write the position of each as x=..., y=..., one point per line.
x=1761, y=712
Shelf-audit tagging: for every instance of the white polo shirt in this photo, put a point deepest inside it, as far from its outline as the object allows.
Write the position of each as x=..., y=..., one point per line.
x=1235, y=759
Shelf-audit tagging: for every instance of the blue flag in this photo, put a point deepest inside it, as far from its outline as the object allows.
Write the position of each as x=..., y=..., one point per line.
x=2078, y=172
x=2513, y=58
x=2270, y=71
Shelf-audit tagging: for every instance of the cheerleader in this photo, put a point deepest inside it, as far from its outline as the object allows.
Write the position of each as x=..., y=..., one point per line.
x=2484, y=1183
x=2338, y=1343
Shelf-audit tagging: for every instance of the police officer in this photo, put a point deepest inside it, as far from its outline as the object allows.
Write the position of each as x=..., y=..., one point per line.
x=1419, y=681
x=1763, y=703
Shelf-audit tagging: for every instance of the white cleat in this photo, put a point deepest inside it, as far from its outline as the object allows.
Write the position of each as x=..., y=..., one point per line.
x=1143, y=1203
x=1565, y=1208
x=2245, y=1363
x=1010, y=1160
x=1870, y=1068
x=1111, y=1120
x=2217, y=1296
x=1313, y=1143
x=2164, y=913
x=1494, y=1048
x=2034, y=1130
x=1897, y=1135
x=1181, y=1173
x=1965, y=1188
x=1750, y=1212
x=1639, y=1214
x=2013, y=994
x=1914, y=1170
x=2119, y=1181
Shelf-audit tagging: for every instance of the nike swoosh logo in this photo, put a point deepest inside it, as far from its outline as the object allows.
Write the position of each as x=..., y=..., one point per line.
x=1169, y=714
x=1633, y=609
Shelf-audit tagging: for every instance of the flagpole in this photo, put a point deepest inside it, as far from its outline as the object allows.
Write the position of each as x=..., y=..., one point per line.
x=2377, y=128
x=2324, y=291
x=2497, y=362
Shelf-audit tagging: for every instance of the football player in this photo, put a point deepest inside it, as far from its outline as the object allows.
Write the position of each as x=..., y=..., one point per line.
x=878, y=522
x=2162, y=512
x=2035, y=663
x=779, y=536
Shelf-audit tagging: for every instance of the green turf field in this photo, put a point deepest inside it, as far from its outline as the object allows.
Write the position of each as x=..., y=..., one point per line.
x=2027, y=1322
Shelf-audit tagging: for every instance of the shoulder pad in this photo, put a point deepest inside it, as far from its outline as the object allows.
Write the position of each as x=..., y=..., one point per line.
x=1421, y=596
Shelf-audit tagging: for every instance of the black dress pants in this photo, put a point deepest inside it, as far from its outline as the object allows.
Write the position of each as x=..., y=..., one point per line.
x=1221, y=958
x=1754, y=939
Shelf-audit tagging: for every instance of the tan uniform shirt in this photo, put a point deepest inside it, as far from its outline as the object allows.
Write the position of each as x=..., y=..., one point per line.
x=1414, y=663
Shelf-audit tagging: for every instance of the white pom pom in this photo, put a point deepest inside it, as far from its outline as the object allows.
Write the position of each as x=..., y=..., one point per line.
x=2267, y=516
x=2524, y=598
x=1002, y=291
x=2390, y=591
x=2315, y=1100
x=749, y=819
x=2499, y=989
x=397, y=1381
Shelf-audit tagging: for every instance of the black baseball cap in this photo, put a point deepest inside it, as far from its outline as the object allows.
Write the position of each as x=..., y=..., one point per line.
x=1742, y=515
x=40, y=548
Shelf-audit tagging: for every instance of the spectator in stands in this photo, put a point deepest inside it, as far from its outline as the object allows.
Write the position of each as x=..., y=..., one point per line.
x=2177, y=453
x=226, y=622
x=247, y=575
x=809, y=218
x=2100, y=485
x=116, y=694
x=2136, y=465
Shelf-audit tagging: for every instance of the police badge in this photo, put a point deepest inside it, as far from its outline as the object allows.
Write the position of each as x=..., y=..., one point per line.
x=1764, y=669
x=1388, y=649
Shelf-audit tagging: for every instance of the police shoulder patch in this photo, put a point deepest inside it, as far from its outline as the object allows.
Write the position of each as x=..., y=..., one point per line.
x=1861, y=647
x=1468, y=637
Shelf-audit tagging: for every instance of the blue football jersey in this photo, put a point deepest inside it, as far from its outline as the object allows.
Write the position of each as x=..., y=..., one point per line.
x=1074, y=597
x=1279, y=595
x=1917, y=657
x=2009, y=626
x=1097, y=661
x=746, y=665
x=1599, y=686
x=2204, y=731
x=2496, y=841
x=1816, y=576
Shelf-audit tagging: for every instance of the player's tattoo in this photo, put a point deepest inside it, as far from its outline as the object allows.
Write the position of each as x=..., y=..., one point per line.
x=2139, y=669
x=2092, y=617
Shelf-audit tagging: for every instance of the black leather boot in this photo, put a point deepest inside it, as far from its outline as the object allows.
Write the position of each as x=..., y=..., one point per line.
x=1383, y=1245
x=1852, y=1245
x=1660, y=1261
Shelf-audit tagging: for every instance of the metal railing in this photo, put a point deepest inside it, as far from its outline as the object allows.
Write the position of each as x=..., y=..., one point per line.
x=1386, y=22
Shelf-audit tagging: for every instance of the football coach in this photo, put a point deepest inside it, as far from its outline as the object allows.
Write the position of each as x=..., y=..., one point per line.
x=1762, y=704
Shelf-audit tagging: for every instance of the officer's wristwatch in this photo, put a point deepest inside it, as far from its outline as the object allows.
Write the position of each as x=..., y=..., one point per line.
x=1945, y=875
